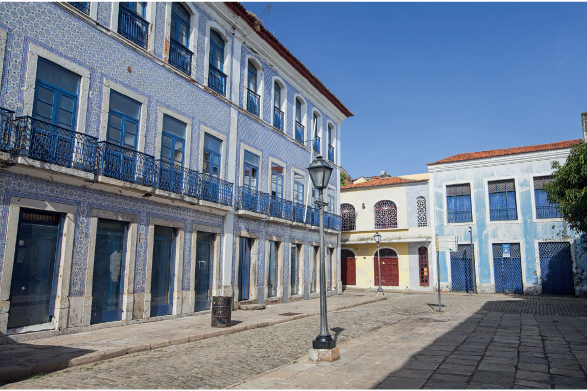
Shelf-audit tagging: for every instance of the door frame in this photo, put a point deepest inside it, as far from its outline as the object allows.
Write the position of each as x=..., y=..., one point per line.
x=278, y=264
x=355, y=257
x=300, y=269
x=254, y=262
x=63, y=261
x=190, y=296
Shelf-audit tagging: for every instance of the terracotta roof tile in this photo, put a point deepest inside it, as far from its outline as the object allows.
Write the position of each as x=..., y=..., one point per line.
x=241, y=11
x=508, y=151
x=394, y=180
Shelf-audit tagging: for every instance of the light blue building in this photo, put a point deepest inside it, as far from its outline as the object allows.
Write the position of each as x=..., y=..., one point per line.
x=510, y=239
x=153, y=155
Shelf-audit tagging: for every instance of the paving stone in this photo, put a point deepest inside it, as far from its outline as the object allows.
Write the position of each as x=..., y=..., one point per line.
x=397, y=382
x=449, y=377
x=504, y=379
x=533, y=367
x=485, y=366
x=567, y=372
x=568, y=382
x=456, y=369
x=532, y=384
x=500, y=360
x=534, y=376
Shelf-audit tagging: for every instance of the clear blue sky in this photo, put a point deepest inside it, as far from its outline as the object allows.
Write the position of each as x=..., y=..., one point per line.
x=431, y=80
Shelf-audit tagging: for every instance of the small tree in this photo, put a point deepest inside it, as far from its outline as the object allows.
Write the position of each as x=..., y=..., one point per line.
x=568, y=190
x=342, y=179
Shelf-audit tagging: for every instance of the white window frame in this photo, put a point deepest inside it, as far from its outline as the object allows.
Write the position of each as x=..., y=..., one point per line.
x=463, y=182
x=487, y=209
x=331, y=124
x=533, y=200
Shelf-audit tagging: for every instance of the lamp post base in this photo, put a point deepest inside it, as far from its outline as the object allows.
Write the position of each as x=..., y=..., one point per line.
x=323, y=342
x=380, y=293
x=328, y=355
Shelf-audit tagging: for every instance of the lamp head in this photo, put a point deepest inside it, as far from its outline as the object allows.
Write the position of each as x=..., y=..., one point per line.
x=320, y=173
x=377, y=237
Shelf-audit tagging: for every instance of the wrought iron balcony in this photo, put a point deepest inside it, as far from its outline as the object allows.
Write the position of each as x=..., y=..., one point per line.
x=177, y=179
x=253, y=102
x=298, y=212
x=214, y=189
x=131, y=26
x=5, y=128
x=312, y=216
x=83, y=6
x=299, y=132
x=331, y=153
x=180, y=57
x=280, y=208
x=547, y=211
x=50, y=143
x=125, y=164
x=317, y=144
x=217, y=80
x=252, y=200
x=278, y=121
x=500, y=214
x=459, y=216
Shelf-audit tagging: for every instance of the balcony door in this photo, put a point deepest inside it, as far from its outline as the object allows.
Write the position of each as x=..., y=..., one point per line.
x=250, y=196
x=211, y=169
x=172, y=155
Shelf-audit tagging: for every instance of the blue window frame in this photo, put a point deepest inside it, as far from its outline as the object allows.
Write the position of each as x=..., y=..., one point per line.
x=331, y=206
x=173, y=140
x=253, y=99
x=330, y=143
x=252, y=80
x=216, y=50
x=138, y=8
x=298, y=188
x=180, y=24
x=316, y=137
x=56, y=95
x=123, y=122
x=212, y=154
x=83, y=6
x=276, y=181
x=251, y=170
x=458, y=203
x=502, y=200
x=299, y=127
x=132, y=24
x=277, y=96
x=277, y=113
x=544, y=209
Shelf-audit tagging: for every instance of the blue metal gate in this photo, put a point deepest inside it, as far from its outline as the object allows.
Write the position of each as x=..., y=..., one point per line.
x=507, y=271
x=461, y=269
x=556, y=268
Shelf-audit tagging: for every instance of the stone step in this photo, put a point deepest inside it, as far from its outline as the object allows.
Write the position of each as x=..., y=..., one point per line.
x=252, y=307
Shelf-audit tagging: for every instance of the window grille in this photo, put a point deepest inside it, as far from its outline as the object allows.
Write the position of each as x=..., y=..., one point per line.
x=544, y=209
x=424, y=270
x=385, y=215
x=458, y=203
x=347, y=212
x=502, y=200
x=422, y=219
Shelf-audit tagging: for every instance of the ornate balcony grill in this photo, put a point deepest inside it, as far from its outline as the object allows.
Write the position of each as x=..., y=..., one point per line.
x=217, y=80
x=253, y=200
x=214, y=189
x=317, y=144
x=49, y=143
x=298, y=212
x=348, y=217
x=125, y=164
x=287, y=210
x=299, y=132
x=82, y=6
x=385, y=215
x=336, y=223
x=5, y=128
x=180, y=57
x=312, y=216
x=278, y=118
x=331, y=153
x=131, y=26
x=176, y=179
x=253, y=102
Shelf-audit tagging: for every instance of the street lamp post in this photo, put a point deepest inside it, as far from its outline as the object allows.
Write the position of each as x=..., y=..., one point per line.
x=377, y=238
x=320, y=173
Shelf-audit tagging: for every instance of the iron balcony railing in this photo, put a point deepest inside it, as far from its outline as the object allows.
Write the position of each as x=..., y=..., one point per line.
x=500, y=214
x=278, y=118
x=180, y=57
x=217, y=80
x=298, y=212
x=459, y=216
x=547, y=211
x=312, y=216
x=317, y=144
x=348, y=221
x=131, y=26
x=50, y=143
x=331, y=153
x=5, y=128
x=214, y=189
x=253, y=102
x=82, y=6
x=299, y=132
x=253, y=200
x=280, y=208
x=177, y=179
x=125, y=164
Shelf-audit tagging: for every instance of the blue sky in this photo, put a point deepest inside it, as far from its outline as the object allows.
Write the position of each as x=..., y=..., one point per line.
x=431, y=80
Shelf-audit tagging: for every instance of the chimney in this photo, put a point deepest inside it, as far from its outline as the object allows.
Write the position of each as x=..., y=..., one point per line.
x=383, y=174
x=584, y=121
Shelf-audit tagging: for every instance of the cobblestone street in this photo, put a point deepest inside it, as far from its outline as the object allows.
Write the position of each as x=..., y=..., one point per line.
x=456, y=359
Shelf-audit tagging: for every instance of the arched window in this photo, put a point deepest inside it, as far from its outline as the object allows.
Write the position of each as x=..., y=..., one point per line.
x=216, y=77
x=316, y=137
x=179, y=54
x=299, y=126
x=385, y=214
x=387, y=252
x=330, y=143
x=253, y=100
x=278, y=120
x=421, y=205
x=347, y=212
x=424, y=271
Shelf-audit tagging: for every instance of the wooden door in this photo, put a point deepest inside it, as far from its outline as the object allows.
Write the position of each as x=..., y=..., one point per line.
x=389, y=268
x=348, y=272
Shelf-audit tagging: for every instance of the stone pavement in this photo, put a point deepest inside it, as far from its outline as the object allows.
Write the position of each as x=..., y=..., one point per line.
x=453, y=349
x=19, y=360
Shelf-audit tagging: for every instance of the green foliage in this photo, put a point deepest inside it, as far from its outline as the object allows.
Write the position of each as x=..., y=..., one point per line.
x=342, y=178
x=569, y=188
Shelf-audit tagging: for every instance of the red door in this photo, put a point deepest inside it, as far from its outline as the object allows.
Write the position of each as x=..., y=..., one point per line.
x=424, y=271
x=389, y=268
x=348, y=271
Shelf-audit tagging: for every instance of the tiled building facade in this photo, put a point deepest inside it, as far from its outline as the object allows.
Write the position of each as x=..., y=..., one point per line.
x=174, y=225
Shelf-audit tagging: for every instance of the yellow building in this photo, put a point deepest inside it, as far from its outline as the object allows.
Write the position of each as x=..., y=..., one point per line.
x=396, y=208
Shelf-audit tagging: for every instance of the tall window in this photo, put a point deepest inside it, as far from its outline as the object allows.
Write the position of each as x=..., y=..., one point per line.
x=347, y=212
x=544, y=209
x=132, y=24
x=423, y=262
x=385, y=214
x=251, y=170
x=277, y=113
x=502, y=200
x=123, y=124
x=56, y=95
x=216, y=77
x=458, y=203
x=299, y=126
x=179, y=55
x=331, y=205
x=173, y=140
x=253, y=100
x=422, y=218
x=212, y=153
x=316, y=137
x=276, y=181
x=330, y=143
x=298, y=188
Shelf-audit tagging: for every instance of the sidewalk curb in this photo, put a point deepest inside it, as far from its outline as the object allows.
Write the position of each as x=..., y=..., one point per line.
x=14, y=373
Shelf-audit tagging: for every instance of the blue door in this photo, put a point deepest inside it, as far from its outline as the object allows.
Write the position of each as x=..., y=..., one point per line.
x=314, y=253
x=250, y=197
x=211, y=169
x=172, y=155
x=461, y=269
x=244, y=268
x=162, y=271
x=108, y=282
x=272, y=276
x=507, y=270
x=33, y=273
x=204, y=258
x=556, y=268
x=293, y=266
